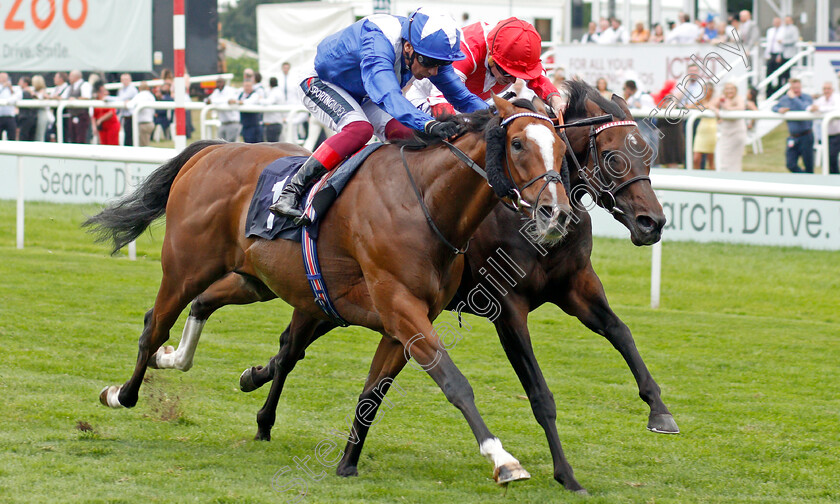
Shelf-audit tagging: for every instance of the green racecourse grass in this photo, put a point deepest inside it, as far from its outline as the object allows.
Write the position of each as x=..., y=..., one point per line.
x=745, y=349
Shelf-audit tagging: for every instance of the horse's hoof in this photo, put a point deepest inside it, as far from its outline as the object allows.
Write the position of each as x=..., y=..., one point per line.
x=110, y=397
x=347, y=471
x=662, y=423
x=246, y=381
x=582, y=491
x=262, y=436
x=155, y=363
x=511, y=471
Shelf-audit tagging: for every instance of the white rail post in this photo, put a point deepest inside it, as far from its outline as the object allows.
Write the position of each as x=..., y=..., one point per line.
x=655, y=274
x=20, y=202
x=132, y=245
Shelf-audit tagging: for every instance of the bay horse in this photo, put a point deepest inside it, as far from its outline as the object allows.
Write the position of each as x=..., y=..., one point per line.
x=613, y=170
x=386, y=268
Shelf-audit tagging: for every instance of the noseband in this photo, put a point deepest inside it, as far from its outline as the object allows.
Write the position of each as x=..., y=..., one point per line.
x=550, y=176
x=597, y=183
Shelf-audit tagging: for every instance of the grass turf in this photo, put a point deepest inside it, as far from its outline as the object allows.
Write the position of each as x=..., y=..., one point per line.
x=745, y=349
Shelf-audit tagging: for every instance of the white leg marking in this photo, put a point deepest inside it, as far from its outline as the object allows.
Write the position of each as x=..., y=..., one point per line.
x=492, y=449
x=113, y=397
x=182, y=358
x=544, y=138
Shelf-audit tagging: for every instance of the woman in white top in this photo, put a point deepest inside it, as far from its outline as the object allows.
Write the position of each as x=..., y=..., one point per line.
x=732, y=133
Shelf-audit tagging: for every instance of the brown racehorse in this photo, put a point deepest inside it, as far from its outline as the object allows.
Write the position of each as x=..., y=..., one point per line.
x=561, y=274
x=385, y=267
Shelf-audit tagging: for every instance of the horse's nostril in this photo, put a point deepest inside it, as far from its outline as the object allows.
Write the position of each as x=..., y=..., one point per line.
x=645, y=223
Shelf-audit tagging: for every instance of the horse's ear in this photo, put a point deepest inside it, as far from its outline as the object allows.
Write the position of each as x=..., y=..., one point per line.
x=539, y=105
x=504, y=107
x=622, y=104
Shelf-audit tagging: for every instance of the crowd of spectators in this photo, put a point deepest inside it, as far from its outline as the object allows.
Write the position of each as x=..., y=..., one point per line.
x=682, y=31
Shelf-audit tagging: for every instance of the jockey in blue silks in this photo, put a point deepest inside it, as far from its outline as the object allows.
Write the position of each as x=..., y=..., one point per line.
x=356, y=89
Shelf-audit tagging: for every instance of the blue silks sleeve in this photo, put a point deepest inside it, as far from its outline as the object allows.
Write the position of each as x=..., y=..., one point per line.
x=455, y=92
x=377, y=63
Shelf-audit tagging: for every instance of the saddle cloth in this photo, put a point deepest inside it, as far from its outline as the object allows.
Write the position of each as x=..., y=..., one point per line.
x=264, y=224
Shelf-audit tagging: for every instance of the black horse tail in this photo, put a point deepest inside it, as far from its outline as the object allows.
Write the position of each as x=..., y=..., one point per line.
x=127, y=218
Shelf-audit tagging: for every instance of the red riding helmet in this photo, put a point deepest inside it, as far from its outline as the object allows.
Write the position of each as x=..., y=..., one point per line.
x=515, y=46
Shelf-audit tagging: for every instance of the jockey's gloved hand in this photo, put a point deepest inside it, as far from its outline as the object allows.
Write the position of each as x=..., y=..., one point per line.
x=440, y=129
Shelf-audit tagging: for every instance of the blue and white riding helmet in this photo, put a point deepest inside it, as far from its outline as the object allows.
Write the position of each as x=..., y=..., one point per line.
x=433, y=35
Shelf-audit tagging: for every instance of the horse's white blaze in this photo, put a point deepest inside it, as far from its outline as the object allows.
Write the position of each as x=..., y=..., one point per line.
x=541, y=135
x=492, y=449
x=182, y=358
x=632, y=139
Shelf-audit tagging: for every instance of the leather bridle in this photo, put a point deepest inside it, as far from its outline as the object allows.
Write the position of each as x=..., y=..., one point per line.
x=601, y=191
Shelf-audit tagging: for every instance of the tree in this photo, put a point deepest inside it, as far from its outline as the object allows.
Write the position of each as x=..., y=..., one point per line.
x=240, y=23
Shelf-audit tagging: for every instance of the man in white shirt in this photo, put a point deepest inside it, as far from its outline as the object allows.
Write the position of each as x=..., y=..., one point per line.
x=790, y=37
x=826, y=103
x=125, y=94
x=614, y=34
x=274, y=120
x=773, y=51
x=8, y=124
x=226, y=95
x=146, y=116
x=80, y=89
x=591, y=36
x=684, y=33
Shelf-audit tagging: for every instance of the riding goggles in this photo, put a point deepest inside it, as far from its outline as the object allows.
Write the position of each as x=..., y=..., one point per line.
x=431, y=62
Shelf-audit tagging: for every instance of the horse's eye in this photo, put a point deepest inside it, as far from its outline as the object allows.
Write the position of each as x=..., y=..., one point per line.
x=516, y=144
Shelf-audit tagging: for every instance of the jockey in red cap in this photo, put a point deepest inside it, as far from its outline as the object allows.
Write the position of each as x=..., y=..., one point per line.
x=496, y=56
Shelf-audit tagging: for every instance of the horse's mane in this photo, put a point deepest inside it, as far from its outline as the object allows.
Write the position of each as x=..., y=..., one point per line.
x=578, y=92
x=475, y=122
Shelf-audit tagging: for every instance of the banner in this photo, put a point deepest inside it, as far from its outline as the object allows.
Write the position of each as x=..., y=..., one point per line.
x=71, y=180
x=292, y=31
x=64, y=35
x=733, y=218
x=650, y=65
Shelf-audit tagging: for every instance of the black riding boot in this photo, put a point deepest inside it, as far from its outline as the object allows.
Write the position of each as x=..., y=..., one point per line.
x=289, y=201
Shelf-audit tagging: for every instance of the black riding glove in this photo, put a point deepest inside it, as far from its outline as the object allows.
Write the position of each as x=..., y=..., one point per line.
x=440, y=129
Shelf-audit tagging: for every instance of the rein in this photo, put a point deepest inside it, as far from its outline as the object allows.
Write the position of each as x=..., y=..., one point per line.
x=602, y=193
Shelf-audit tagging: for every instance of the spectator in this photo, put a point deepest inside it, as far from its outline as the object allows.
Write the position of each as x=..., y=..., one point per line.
x=7, y=112
x=61, y=91
x=706, y=133
x=732, y=133
x=800, y=142
x=720, y=33
x=105, y=120
x=826, y=103
x=773, y=52
x=43, y=120
x=226, y=95
x=251, y=122
x=640, y=34
x=79, y=117
x=613, y=34
x=635, y=98
x=146, y=116
x=748, y=31
x=258, y=85
x=672, y=142
x=125, y=94
x=558, y=77
x=601, y=85
x=712, y=30
x=658, y=35
x=790, y=37
x=163, y=118
x=591, y=35
x=27, y=117
x=684, y=33
x=273, y=120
